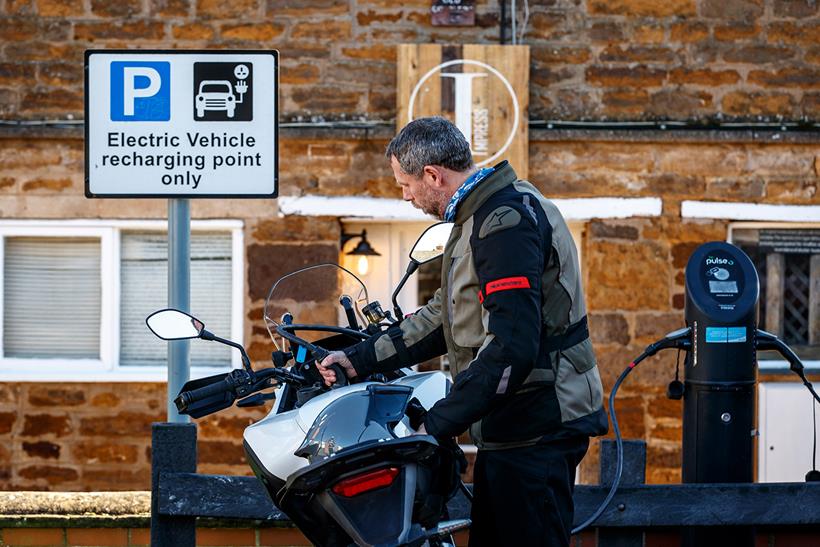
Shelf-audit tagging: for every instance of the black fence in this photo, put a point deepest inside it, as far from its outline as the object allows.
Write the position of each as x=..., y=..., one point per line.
x=179, y=495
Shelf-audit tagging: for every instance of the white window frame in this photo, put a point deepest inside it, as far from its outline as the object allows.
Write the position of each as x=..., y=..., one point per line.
x=108, y=368
x=776, y=365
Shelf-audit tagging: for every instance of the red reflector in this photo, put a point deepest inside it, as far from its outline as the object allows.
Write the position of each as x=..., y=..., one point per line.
x=365, y=482
x=507, y=284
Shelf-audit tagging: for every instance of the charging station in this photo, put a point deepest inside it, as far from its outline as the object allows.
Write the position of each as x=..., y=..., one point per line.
x=720, y=372
x=721, y=340
x=720, y=376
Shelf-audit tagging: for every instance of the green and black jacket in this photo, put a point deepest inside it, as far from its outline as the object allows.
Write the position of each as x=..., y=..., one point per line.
x=510, y=315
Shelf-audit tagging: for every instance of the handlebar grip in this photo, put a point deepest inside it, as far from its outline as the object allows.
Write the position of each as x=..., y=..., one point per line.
x=341, y=377
x=185, y=398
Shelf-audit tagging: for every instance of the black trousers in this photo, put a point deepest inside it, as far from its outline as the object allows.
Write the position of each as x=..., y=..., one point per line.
x=523, y=496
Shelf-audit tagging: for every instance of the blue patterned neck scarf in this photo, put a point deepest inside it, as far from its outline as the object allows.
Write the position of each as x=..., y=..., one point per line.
x=466, y=187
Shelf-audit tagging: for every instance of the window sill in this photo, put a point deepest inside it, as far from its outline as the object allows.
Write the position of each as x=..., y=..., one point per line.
x=124, y=374
x=777, y=366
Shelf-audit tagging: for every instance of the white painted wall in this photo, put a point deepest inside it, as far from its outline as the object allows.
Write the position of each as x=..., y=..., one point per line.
x=785, y=424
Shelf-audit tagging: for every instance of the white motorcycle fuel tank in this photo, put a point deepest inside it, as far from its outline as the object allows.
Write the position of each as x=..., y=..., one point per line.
x=275, y=438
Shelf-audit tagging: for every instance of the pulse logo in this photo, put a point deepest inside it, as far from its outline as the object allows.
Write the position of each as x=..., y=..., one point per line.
x=717, y=260
x=140, y=91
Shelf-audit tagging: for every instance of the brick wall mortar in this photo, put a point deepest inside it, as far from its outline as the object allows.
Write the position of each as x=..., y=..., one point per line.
x=105, y=442
x=740, y=172
x=562, y=165
x=620, y=60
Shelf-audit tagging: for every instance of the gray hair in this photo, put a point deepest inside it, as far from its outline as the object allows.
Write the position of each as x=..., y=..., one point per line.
x=430, y=141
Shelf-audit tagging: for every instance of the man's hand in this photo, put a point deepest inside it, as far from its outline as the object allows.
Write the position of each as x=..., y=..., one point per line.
x=339, y=358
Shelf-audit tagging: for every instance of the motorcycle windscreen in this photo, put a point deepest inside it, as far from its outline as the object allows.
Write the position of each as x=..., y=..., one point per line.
x=311, y=296
x=357, y=418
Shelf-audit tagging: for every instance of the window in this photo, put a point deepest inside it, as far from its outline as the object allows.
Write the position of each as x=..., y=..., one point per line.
x=787, y=260
x=75, y=295
x=46, y=282
x=144, y=286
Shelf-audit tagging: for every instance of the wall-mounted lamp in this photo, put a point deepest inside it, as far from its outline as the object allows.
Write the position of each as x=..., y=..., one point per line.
x=363, y=249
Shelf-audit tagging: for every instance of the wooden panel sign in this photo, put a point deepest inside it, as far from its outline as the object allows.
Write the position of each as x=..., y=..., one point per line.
x=483, y=89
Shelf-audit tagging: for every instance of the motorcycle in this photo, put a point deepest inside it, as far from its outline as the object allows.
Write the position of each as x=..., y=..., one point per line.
x=344, y=462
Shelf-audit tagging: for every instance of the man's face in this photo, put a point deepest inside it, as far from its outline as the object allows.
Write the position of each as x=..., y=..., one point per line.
x=420, y=191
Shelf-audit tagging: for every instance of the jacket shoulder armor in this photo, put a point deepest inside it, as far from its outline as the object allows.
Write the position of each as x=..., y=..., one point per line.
x=501, y=218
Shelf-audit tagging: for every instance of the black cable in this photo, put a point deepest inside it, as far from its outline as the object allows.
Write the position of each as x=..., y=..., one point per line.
x=677, y=367
x=766, y=340
x=364, y=123
x=619, y=450
x=502, y=39
x=814, y=474
x=814, y=434
x=808, y=385
x=813, y=418
x=467, y=493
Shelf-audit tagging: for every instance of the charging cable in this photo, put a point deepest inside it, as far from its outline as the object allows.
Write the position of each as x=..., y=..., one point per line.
x=768, y=341
x=679, y=339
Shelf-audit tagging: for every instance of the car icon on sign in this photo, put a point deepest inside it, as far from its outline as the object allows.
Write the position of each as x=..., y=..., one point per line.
x=215, y=95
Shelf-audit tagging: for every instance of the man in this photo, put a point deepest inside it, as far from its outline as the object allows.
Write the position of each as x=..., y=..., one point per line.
x=511, y=316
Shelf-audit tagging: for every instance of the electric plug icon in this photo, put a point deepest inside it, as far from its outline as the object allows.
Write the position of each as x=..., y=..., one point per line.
x=241, y=72
x=241, y=88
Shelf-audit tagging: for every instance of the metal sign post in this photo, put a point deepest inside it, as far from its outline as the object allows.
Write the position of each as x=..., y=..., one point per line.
x=179, y=297
x=178, y=124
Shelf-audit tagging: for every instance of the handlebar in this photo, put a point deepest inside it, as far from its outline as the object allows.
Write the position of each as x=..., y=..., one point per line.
x=241, y=383
x=186, y=398
x=237, y=384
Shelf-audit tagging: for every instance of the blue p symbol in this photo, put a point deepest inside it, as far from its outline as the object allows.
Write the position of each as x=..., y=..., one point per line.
x=140, y=91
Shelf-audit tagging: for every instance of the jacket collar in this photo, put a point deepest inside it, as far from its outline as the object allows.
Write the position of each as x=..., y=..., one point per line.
x=502, y=175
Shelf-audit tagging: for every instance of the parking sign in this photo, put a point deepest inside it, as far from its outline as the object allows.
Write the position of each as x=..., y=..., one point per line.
x=140, y=91
x=181, y=123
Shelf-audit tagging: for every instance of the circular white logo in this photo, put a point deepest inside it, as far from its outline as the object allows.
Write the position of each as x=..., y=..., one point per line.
x=473, y=123
x=241, y=72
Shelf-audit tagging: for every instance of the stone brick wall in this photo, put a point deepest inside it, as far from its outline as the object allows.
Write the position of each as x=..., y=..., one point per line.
x=634, y=269
x=599, y=60
x=97, y=436
x=614, y=59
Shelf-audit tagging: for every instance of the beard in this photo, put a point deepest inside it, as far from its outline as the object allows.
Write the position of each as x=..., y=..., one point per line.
x=431, y=201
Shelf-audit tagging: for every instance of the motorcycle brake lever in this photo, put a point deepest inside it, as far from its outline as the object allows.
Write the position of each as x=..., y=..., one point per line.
x=289, y=376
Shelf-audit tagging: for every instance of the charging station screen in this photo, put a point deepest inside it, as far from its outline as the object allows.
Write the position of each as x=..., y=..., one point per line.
x=722, y=277
x=723, y=287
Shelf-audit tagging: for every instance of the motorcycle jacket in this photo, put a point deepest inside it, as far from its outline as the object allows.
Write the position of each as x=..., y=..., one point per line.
x=511, y=317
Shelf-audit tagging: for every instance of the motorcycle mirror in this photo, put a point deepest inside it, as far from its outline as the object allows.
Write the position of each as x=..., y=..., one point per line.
x=430, y=244
x=173, y=324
